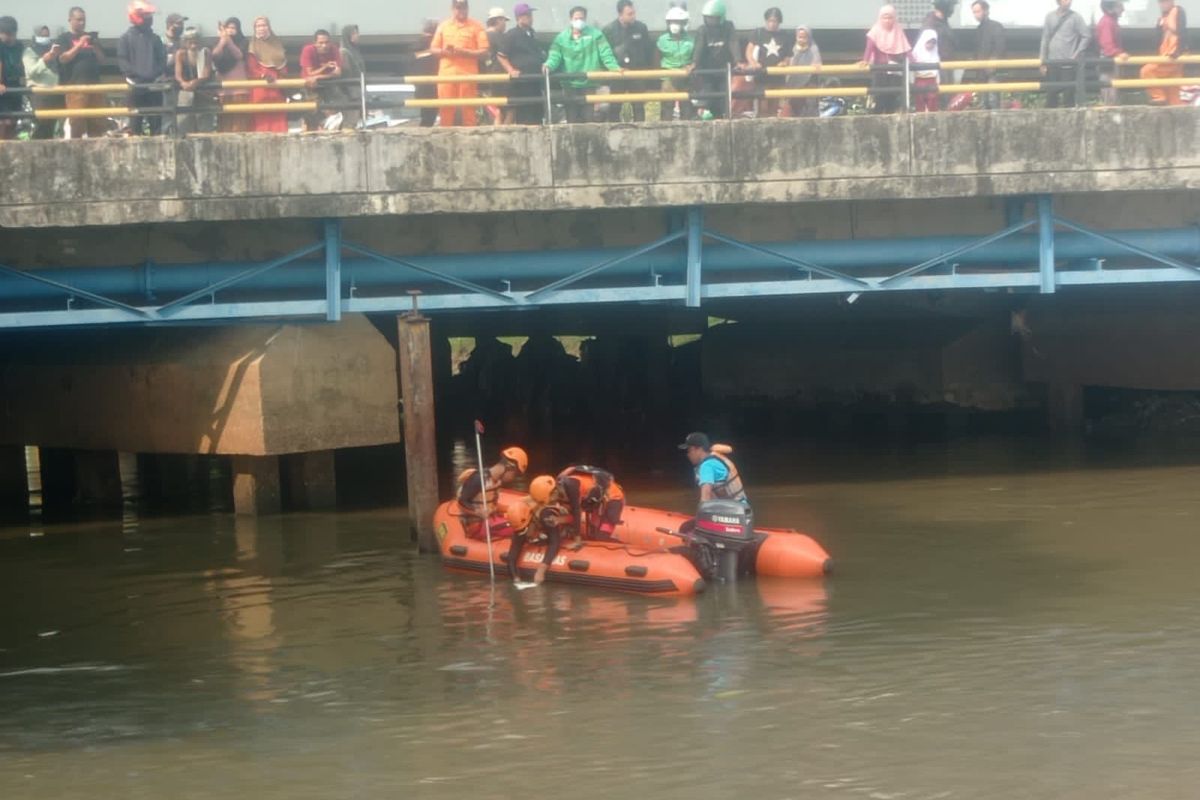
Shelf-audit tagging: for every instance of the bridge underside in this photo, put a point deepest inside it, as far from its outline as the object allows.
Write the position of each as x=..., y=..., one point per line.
x=680, y=259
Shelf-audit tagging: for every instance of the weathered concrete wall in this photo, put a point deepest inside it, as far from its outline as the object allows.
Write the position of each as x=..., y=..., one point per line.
x=490, y=170
x=250, y=390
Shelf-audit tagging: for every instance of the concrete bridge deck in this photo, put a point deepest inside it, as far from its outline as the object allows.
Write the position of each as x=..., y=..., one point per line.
x=515, y=169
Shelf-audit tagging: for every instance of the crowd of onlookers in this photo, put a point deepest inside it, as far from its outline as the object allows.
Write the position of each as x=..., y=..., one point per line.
x=460, y=47
x=180, y=60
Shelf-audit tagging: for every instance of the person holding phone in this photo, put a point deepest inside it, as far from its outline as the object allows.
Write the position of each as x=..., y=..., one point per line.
x=41, y=69
x=229, y=61
x=320, y=61
x=79, y=61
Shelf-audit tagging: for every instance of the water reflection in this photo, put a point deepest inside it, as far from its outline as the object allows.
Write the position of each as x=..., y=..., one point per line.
x=244, y=593
x=987, y=634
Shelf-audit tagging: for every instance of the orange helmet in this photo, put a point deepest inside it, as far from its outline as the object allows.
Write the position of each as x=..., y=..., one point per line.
x=519, y=516
x=517, y=457
x=138, y=11
x=541, y=488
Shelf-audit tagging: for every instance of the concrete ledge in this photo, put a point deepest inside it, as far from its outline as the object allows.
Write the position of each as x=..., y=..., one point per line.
x=486, y=170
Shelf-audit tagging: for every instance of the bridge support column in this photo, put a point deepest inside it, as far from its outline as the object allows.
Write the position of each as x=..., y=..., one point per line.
x=80, y=476
x=14, y=481
x=420, y=450
x=1064, y=407
x=256, y=485
x=311, y=480
x=98, y=477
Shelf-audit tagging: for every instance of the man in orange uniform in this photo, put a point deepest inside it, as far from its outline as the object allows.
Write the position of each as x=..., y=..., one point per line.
x=458, y=43
x=1172, y=43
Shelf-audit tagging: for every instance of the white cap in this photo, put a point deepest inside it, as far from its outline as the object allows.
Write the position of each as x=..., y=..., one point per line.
x=497, y=12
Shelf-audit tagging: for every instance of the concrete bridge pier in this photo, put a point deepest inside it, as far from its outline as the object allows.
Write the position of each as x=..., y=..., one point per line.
x=80, y=477
x=415, y=369
x=256, y=485
x=1064, y=407
x=14, y=481
x=309, y=480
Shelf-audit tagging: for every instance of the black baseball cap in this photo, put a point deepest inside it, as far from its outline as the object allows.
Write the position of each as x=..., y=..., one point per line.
x=696, y=439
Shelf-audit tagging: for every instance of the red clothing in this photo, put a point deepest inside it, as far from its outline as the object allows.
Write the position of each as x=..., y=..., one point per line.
x=873, y=55
x=270, y=121
x=311, y=60
x=926, y=101
x=498, y=525
x=1108, y=36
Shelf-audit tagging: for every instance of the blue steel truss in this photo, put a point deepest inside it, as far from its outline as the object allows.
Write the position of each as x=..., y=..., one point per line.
x=84, y=305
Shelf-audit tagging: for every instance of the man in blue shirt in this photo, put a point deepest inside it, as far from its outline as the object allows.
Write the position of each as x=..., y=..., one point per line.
x=716, y=475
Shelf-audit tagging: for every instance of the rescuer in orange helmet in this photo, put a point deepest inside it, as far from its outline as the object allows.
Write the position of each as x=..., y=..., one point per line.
x=536, y=519
x=594, y=500
x=472, y=492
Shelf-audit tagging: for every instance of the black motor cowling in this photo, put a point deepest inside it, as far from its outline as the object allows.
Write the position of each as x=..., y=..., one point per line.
x=722, y=531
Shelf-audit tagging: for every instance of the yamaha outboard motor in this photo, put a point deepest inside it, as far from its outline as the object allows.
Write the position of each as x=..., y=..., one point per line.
x=723, y=531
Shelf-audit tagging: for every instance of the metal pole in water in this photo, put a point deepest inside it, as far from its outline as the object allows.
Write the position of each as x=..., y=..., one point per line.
x=487, y=523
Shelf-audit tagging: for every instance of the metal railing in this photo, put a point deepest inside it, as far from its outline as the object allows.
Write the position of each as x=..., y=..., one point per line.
x=384, y=94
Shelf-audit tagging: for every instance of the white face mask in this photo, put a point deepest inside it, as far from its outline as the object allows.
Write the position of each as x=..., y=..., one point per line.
x=42, y=40
x=675, y=27
x=578, y=24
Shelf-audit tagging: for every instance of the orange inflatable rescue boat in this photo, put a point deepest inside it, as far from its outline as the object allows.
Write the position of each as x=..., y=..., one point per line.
x=604, y=565
x=720, y=541
x=778, y=552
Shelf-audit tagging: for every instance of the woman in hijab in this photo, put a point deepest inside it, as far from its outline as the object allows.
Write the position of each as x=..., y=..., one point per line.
x=41, y=69
x=925, y=80
x=353, y=66
x=267, y=60
x=886, y=44
x=229, y=59
x=805, y=53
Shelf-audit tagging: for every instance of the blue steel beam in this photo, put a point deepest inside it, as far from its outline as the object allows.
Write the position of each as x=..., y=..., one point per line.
x=793, y=261
x=587, y=272
x=299, y=309
x=130, y=281
x=1045, y=220
x=172, y=308
x=436, y=274
x=71, y=291
x=957, y=252
x=695, y=251
x=1132, y=248
x=333, y=270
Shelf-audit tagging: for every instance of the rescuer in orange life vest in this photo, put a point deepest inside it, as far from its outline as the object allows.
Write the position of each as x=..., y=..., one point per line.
x=716, y=474
x=471, y=494
x=594, y=500
x=537, y=518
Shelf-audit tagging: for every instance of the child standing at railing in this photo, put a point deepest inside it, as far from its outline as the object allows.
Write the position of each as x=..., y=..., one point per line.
x=925, y=80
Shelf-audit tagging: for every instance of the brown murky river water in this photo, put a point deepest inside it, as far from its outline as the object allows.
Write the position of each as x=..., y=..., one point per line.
x=1004, y=623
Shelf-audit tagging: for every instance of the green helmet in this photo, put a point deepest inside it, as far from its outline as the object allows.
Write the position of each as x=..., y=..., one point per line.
x=713, y=8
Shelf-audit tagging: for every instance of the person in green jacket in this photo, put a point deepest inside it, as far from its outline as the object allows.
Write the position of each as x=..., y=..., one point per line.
x=580, y=48
x=676, y=49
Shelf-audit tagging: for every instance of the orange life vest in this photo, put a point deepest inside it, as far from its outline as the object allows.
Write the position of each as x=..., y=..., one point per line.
x=473, y=504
